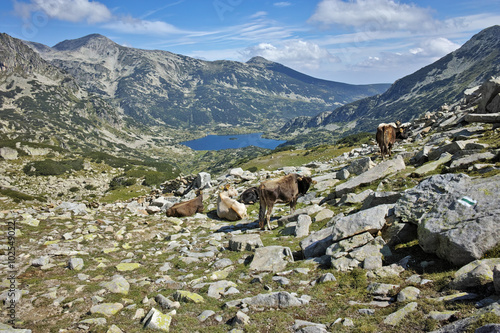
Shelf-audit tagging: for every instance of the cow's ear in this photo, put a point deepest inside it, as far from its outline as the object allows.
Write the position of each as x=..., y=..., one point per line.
x=299, y=179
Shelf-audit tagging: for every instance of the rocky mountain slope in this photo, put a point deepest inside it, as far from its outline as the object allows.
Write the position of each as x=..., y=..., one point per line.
x=428, y=88
x=159, y=87
x=410, y=243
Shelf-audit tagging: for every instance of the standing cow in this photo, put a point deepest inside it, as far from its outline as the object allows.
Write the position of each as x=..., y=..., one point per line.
x=386, y=137
x=285, y=190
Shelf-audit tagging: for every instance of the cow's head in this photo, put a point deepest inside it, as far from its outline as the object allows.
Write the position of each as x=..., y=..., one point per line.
x=304, y=183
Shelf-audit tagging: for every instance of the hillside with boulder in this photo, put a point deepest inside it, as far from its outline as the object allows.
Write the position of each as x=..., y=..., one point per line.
x=412, y=242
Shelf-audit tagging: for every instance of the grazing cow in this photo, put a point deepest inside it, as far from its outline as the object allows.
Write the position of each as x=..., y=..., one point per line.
x=250, y=195
x=228, y=208
x=386, y=136
x=187, y=208
x=285, y=190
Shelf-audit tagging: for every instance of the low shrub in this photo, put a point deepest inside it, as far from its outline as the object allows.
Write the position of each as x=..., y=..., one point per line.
x=49, y=167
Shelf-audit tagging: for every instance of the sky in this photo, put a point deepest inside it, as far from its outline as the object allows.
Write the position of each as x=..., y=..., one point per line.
x=351, y=41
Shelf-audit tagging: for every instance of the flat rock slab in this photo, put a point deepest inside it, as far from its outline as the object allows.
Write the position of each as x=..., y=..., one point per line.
x=395, y=318
x=246, y=242
x=271, y=258
x=377, y=172
x=107, y=309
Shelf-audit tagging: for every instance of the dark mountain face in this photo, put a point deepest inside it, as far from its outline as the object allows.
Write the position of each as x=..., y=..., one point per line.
x=42, y=103
x=159, y=87
x=425, y=90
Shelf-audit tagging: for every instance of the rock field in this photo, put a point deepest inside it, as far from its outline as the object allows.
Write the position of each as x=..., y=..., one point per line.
x=374, y=246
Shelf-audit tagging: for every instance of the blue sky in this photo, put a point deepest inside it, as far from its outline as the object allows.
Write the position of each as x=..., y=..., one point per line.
x=352, y=41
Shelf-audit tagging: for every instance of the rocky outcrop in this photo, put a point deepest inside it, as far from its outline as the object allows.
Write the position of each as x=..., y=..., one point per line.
x=450, y=211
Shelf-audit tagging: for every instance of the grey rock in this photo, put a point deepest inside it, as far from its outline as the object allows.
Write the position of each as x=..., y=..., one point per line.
x=395, y=318
x=441, y=316
x=447, y=223
x=245, y=242
x=8, y=153
x=381, y=289
x=203, y=180
x=328, y=277
x=496, y=278
x=408, y=294
x=222, y=263
x=465, y=162
x=348, y=244
x=433, y=165
x=369, y=220
x=474, y=274
x=489, y=328
x=217, y=289
x=361, y=165
x=76, y=264
x=303, y=224
x=280, y=299
x=271, y=258
x=302, y=326
x=117, y=285
x=205, y=315
x=240, y=319
x=380, y=198
x=166, y=303
x=378, y=172
x=157, y=321
x=344, y=264
x=42, y=261
x=351, y=198
x=372, y=263
x=75, y=208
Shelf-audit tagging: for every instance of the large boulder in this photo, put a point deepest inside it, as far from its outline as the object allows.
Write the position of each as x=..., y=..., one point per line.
x=458, y=217
x=8, y=153
x=368, y=220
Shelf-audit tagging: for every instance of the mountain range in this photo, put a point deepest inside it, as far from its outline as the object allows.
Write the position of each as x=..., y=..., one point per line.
x=441, y=82
x=93, y=94
x=161, y=88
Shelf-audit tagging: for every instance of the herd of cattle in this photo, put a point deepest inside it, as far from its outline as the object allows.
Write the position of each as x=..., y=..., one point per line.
x=286, y=189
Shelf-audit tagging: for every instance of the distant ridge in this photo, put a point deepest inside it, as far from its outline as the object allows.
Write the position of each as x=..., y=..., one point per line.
x=162, y=88
x=425, y=90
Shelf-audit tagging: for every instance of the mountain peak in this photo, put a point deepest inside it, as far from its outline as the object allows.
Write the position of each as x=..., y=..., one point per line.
x=91, y=40
x=258, y=60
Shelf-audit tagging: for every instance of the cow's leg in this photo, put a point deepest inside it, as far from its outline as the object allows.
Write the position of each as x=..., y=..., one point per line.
x=262, y=214
x=293, y=203
x=268, y=216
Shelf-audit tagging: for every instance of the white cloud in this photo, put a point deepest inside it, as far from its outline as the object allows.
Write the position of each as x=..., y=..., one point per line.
x=132, y=25
x=298, y=54
x=282, y=4
x=435, y=47
x=66, y=10
x=374, y=15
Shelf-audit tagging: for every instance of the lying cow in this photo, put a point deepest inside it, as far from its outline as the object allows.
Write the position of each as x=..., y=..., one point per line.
x=250, y=196
x=228, y=208
x=386, y=137
x=285, y=190
x=187, y=208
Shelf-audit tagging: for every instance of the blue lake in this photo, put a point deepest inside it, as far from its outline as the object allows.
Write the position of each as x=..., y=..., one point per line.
x=219, y=142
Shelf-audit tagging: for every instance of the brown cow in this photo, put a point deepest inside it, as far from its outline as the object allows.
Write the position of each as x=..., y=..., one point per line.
x=285, y=190
x=386, y=137
x=187, y=208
